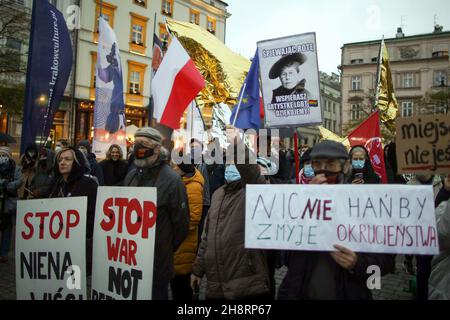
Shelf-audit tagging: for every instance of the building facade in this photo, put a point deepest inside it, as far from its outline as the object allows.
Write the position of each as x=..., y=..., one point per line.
x=134, y=23
x=330, y=93
x=420, y=64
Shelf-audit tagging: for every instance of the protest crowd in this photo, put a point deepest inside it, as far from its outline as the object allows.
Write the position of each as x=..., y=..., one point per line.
x=219, y=257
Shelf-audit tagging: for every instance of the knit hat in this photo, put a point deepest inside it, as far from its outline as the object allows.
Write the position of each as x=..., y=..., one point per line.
x=7, y=151
x=150, y=133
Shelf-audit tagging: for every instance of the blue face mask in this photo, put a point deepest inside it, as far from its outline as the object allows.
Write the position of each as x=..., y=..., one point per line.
x=358, y=164
x=232, y=174
x=308, y=171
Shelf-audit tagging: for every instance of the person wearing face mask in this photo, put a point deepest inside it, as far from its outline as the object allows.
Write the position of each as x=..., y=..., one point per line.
x=362, y=170
x=232, y=271
x=28, y=161
x=337, y=275
x=10, y=182
x=184, y=257
x=114, y=167
x=423, y=263
x=172, y=205
x=306, y=173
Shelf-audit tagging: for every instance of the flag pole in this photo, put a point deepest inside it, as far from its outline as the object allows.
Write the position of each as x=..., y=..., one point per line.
x=150, y=105
x=380, y=61
x=239, y=104
x=297, y=160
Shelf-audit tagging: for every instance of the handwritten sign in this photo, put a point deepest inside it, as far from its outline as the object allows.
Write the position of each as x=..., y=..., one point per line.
x=51, y=249
x=124, y=243
x=423, y=144
x=363, y=218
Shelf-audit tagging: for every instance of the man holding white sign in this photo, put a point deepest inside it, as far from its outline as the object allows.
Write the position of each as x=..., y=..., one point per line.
x=322, y=275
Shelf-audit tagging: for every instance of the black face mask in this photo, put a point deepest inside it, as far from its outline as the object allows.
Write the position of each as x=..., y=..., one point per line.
x=141, y=152
x=332, y=177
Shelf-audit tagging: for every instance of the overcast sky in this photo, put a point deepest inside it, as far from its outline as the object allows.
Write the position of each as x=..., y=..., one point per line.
x=335, y=22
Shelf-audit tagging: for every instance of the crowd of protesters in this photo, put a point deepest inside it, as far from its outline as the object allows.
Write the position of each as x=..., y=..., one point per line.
x=201, y=215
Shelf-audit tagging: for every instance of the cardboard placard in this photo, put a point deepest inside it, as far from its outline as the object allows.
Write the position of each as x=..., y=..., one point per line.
x=423, y=144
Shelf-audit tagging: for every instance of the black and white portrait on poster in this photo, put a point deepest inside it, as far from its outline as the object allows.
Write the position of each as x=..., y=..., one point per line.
x=290, y=81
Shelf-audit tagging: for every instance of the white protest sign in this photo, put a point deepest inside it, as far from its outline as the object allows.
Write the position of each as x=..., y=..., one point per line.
x=363, y=218
x=51, y=249
x=290, y=81
x=124, y=243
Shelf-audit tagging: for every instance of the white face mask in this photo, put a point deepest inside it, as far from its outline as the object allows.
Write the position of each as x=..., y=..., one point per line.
x=3, y=159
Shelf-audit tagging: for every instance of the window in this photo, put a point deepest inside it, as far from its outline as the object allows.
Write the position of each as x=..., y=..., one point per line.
x=135, y=90
x=407, y=109
x=437, y=54
x=408, y=80
x=334, y=126
x=354, y=112
x=356, y=83
x=334, y=107
x=135, y=80
x=93, y=75
x=211, y=25
x=356, y=61
x=375, y=60
x=163, y=35
x=142, y=3
x=14, y=44
x=167, y=7
x=107, y=14
x=440, y=78
x=138, y=33
x=194, y=17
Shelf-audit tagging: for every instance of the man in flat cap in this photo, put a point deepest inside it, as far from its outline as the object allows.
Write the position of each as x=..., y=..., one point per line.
x=287, y=69
x=172, y=222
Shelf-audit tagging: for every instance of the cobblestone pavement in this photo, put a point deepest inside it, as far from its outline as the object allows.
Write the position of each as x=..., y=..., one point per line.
x=393, y=286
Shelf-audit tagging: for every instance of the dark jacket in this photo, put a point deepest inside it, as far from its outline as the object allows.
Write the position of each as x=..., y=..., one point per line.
x=94, y=168
x=442, y=196
x=114, y=172
x=78, y=184
x=232, y=271
x=172, y=222
x=348, y=285
x=10, y=182
x=216, y=174
x=41, y=182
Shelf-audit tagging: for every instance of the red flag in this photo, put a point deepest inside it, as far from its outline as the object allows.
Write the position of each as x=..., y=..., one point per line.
x=368, y=134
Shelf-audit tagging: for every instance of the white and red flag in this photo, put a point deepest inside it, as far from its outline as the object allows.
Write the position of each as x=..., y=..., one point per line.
x=176, y=83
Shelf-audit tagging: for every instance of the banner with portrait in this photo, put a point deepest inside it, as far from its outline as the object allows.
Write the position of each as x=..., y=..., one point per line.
x=290, y=81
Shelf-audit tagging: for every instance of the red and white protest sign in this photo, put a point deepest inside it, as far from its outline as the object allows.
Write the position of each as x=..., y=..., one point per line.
x=363, y=218
x=124, y=242
x=51, y=249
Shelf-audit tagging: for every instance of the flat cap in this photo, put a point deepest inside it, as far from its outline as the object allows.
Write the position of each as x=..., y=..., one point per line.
x=150, y=133
x=330, y=150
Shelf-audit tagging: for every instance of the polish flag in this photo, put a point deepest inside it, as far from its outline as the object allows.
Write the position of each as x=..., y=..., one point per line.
x=176, y=83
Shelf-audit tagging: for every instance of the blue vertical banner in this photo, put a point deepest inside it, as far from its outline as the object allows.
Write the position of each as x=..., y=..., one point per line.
x=109, y=112
x=49, y=64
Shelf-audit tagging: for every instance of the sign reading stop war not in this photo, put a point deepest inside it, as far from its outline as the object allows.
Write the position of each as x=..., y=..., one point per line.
x=51, y=249
x=124, y=241
x=363, y=218
x=423, y=144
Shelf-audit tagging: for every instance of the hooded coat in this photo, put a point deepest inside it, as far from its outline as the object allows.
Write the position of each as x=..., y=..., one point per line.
x=369, y=175
x=232, y=271
x=29, y=168
x=185, y=255
x=10, y=182
x=95, y=168
x=41, y=182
